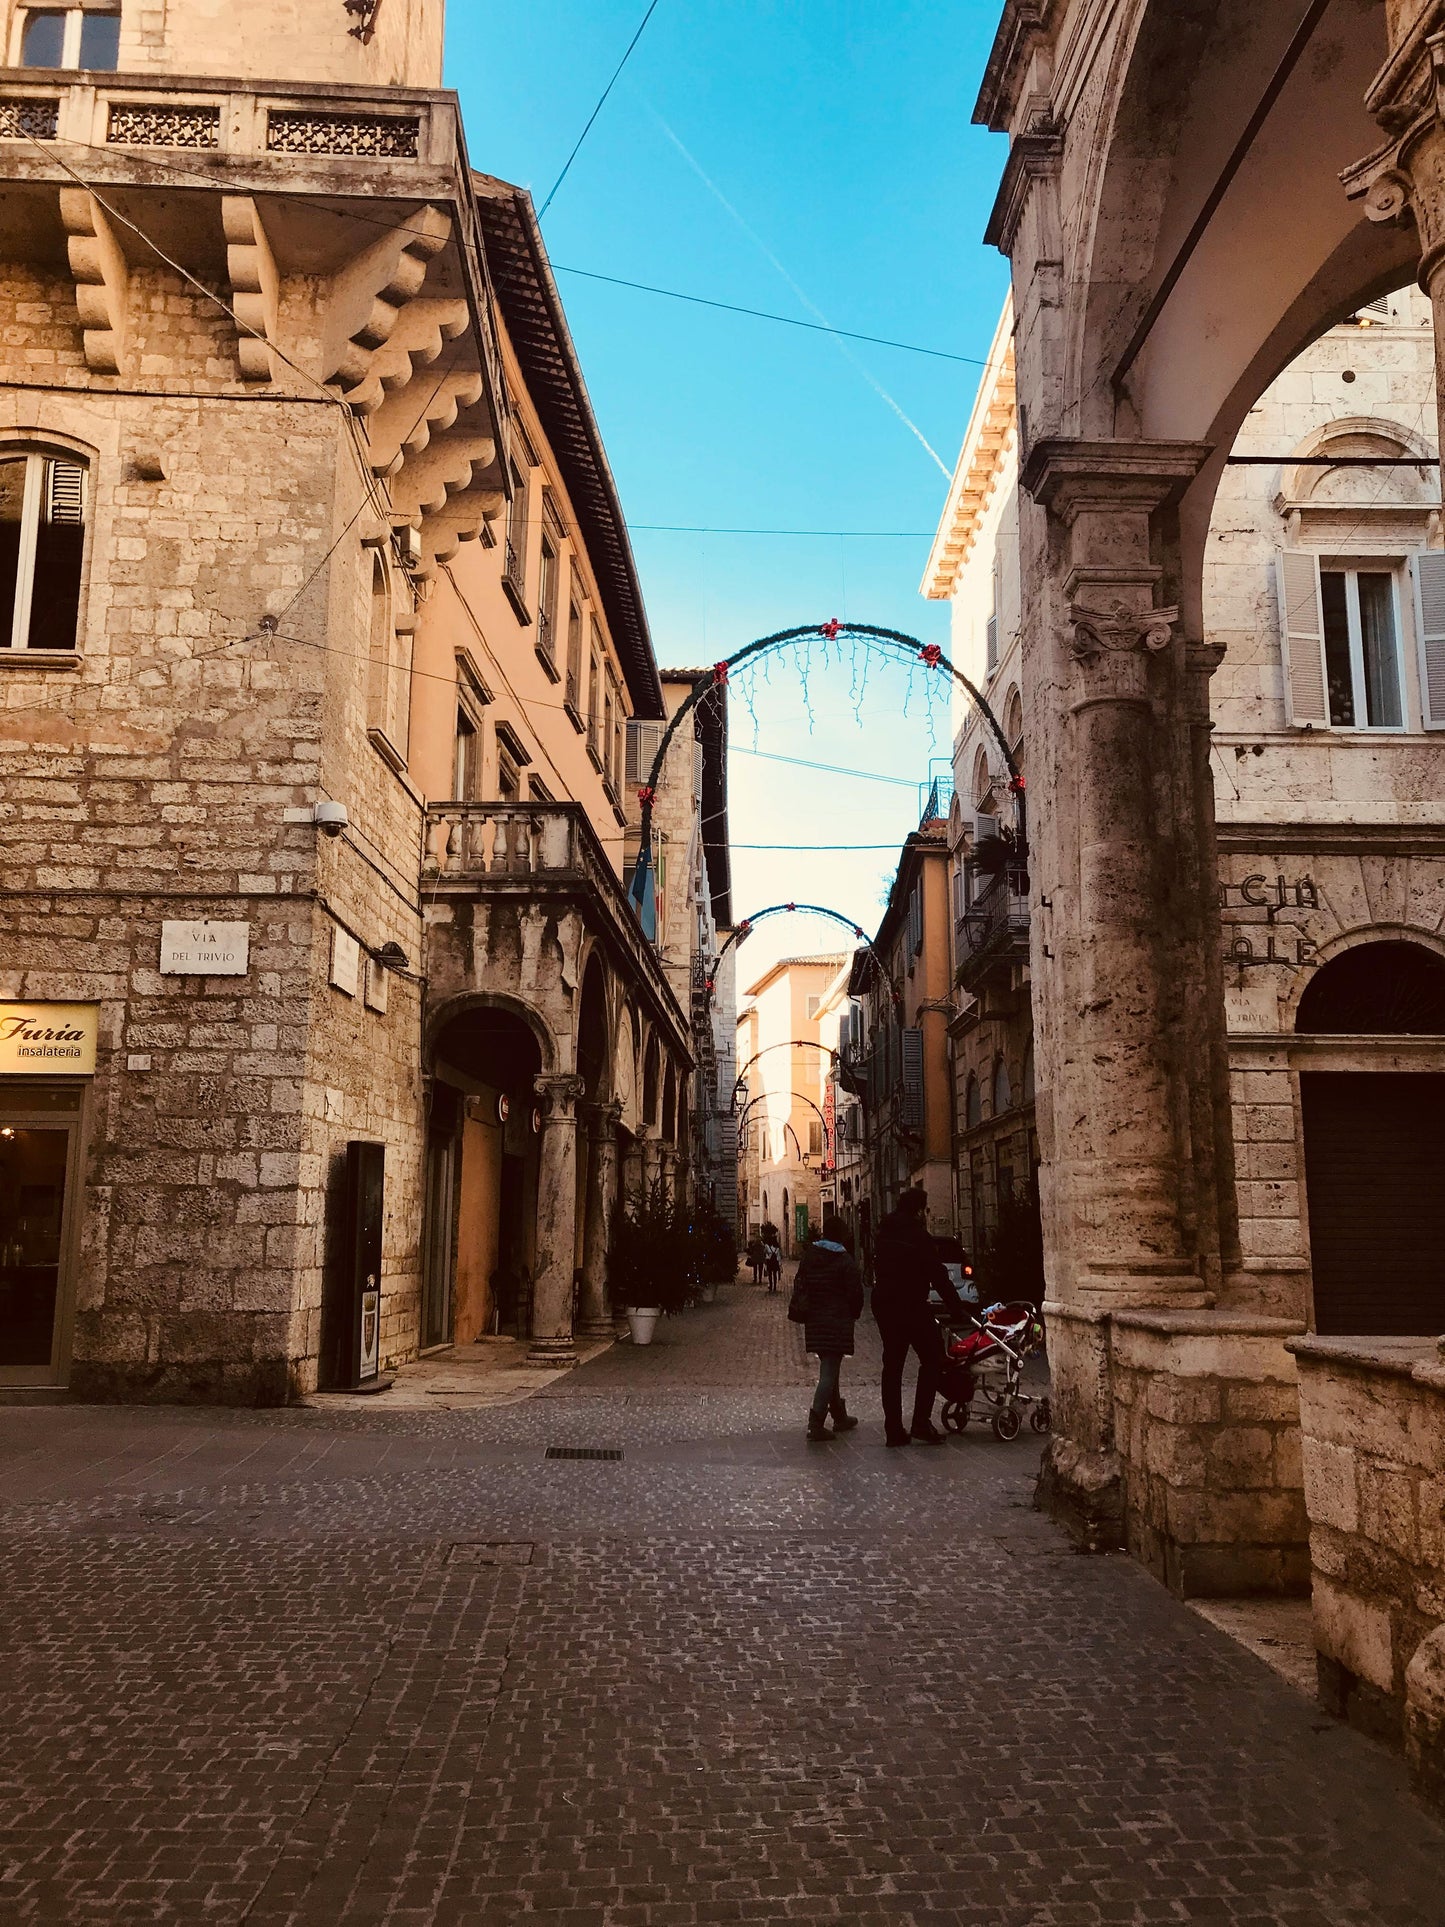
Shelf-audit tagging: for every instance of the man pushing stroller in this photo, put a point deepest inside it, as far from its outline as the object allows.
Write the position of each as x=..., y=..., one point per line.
x=906, y=1267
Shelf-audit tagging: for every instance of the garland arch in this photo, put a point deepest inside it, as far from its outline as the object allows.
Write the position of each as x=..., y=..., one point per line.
x=744, y=927
x=787, y=1043
x=896, y=639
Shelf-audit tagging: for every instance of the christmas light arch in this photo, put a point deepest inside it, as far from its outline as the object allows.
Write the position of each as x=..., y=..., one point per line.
x=744, y=927
x=906, y=646
x=787, y=1043
x=803, y=1098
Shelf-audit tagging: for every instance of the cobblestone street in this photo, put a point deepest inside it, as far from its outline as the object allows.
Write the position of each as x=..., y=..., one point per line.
x=354, y=1665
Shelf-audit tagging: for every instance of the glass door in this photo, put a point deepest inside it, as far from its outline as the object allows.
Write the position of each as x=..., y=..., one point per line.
x=37, y=1156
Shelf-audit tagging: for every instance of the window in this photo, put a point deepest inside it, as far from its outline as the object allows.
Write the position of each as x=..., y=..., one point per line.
x=594, y=701
x=619, y=726
x=815, y=1137
x=605, y=746
x=972, y=1104
x=574, y=658
x=514, y=567
x=1013, y=720
x=464, y=772
x=42, y=550
x=643, y=742
x=547, y=606
x=389, y=693
x=915, y=919
x=85, y=37
x=1002, y=1090
x=1341, y=633
x=509, y=778
x=813, y=1006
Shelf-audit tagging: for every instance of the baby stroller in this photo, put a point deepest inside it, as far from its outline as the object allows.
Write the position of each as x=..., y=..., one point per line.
x=984, y=1360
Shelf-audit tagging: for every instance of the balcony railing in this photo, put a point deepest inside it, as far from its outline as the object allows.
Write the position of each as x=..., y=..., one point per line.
x=994, y=930
x=516, y=570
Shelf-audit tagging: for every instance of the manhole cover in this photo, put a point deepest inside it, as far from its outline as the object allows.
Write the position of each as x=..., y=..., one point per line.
x=481, y=1552
x=581, y=1452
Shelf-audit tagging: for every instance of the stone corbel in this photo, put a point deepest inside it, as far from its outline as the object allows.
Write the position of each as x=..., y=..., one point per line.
x=1404, y=180
x=421, y=331
x=406, y=421
x=255, y=285
x=102, y=279
x=368, y=295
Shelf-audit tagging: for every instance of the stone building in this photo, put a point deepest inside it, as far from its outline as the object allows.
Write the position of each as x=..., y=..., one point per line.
x=323, y=633
x=1190, y=201
x=782, y=1088
x=847, y=1186
x=692, y=880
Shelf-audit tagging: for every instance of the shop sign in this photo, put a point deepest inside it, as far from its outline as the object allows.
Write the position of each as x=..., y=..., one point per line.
x=205, y=949
x=55, y=1038
x=1272, y=937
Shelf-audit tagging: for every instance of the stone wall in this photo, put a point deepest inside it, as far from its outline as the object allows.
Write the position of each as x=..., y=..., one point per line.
x=1206, y=1418
x=1373, y=1416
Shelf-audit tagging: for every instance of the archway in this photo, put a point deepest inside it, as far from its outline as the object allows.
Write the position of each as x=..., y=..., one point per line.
x=481, y=1175
x=1374, y=1141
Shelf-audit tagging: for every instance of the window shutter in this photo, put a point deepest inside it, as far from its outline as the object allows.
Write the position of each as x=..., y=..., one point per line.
x=1301, y=628
x=912, y=1112
x=67, y=493
x=1429, y=572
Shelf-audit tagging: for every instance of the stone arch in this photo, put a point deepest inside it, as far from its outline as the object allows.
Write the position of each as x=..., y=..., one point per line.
x=1384, y=986
x=1305, y=485
x=594, y=1031
x=651, y=1079
x=1002, y=1089
x=982, y=778
x=624, y=1070
x=1013, y=717
x=1362, y=936
x=669, y=1104
x=467, y=1000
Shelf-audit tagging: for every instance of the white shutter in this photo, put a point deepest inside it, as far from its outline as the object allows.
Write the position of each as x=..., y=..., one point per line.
x=1428, y=570
x=1302, y=634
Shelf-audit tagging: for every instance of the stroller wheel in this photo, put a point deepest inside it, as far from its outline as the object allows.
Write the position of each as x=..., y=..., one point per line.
x=954, y=1416
x=1041, y=1418
x=1006, y=1422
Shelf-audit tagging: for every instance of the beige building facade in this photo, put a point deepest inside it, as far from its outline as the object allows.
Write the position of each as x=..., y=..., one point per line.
x=322, y=634
x=783, y=1069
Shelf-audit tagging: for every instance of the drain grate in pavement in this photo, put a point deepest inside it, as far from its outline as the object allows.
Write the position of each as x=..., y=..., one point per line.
x=581, y=1452
x=481, y=1552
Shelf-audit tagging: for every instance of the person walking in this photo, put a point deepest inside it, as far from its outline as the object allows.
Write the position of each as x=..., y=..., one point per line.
x=755, y=1258
x=773, y=1265
x=826, y=1302
x=906, y=1266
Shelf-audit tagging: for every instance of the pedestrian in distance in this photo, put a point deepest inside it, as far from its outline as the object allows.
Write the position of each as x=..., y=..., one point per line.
x=827, y=1300
x=755, y=1259
x=906, y=1266
x=772, y=1265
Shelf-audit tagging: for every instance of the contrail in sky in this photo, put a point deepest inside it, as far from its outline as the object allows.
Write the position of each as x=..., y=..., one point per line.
x=811, y=306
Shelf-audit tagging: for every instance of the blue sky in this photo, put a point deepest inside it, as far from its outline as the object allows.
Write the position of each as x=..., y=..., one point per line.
x=839, y=131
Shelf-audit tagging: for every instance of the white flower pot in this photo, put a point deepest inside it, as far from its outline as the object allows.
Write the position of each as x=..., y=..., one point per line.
x=643, y=1320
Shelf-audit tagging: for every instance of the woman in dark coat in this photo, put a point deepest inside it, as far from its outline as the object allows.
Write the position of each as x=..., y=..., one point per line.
x=827, y=1300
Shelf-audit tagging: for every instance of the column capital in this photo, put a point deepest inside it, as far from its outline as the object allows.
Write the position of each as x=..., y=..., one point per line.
x=603, y=1116
x=1070, y=475
x=1404, y=180
x=1119, y=630
x=561, y=1094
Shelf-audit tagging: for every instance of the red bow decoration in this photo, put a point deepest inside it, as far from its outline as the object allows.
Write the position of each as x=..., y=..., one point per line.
x=719, y=672
x=646, y=795
x=830, y=629
x=857, y=933
x=744, y=927
x=790, y=906
x=931, y=654
x=1017, y=784
x=709, y=985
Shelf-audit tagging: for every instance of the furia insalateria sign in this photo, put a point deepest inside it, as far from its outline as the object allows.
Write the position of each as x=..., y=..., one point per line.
x=48, y=1039
x=205, y=949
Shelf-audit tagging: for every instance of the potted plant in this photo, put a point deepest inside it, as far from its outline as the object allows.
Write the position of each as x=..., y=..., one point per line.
x=644, y=1272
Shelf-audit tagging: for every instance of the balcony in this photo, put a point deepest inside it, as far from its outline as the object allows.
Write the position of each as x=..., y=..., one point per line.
x=993, y=933
x=545, y=858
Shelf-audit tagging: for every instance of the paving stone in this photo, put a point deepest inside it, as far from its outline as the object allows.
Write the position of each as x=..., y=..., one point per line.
x=289, y=1667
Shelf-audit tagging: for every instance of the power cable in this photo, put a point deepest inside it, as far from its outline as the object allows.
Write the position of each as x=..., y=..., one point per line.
x=602, y=102
x=764, y=314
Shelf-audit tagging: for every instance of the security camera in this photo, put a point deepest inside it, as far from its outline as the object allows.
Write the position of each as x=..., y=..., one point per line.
x=330, y=818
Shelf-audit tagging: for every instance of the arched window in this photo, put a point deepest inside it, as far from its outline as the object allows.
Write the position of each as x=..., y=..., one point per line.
x=43, y=508
x=1002, y=1091
x=982, y=777
x=1028, y=1076
x=972, y=1103
x=1013, y=719
x=1387, y=989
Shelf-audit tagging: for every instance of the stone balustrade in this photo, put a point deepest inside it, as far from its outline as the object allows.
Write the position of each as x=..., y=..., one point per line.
x=1373, y=1417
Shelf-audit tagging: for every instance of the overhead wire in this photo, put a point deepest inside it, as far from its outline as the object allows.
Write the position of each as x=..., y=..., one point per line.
x=602, y=102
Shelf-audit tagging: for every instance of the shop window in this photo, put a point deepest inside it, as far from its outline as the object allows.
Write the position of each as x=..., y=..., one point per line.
x=42, y=550
x=84, y=37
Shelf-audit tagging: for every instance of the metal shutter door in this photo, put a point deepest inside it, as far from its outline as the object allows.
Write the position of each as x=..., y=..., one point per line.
x=1374, y=1157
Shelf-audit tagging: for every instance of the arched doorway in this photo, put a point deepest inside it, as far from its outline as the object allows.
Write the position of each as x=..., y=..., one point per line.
x=1374, y=1144
x=482, y=1157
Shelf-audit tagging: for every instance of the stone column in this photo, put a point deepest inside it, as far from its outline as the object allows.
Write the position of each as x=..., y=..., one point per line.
x=602, y=1121
x=669, y=1159
x=651, y=1163
x=1122, y=975
x=556, y=1223
x=1403, y=183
